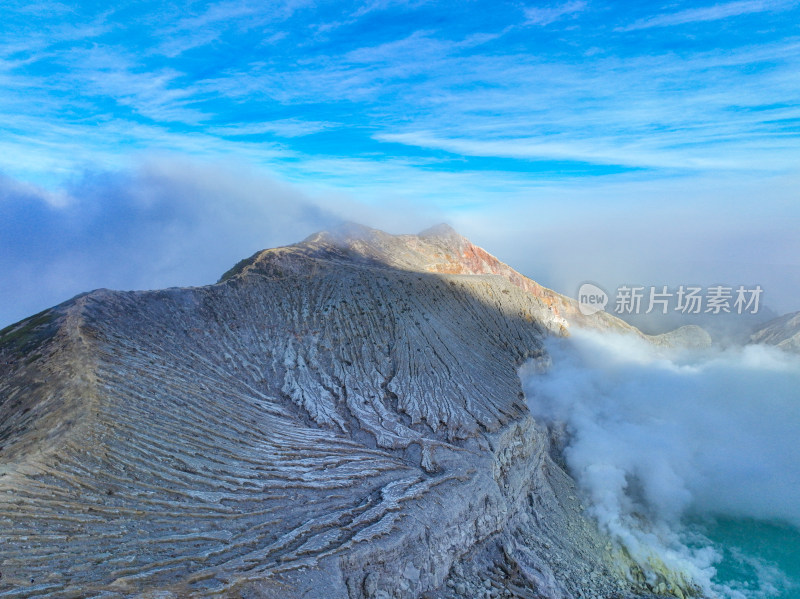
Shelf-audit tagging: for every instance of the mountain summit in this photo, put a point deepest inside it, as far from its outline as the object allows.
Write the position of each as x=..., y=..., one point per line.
x=340, y=418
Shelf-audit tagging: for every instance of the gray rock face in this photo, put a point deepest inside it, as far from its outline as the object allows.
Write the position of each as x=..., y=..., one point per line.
x=340, y=418
x=783, y=332
x=686, y=337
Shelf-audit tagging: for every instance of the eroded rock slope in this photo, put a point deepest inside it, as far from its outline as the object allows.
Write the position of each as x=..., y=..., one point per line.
x=339, y=418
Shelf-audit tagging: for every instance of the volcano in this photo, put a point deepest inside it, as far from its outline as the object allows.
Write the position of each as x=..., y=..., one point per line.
x=340, y=418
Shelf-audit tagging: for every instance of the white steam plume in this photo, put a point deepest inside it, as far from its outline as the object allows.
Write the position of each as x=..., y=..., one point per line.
x=657, y=437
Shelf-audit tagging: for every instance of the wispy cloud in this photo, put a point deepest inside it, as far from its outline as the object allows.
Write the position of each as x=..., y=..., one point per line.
x=280, y=128
x=597, y=151
x=689, y=114
x=218, y=12
x=714, y=12
x=218, y=20
x=422, y=88
x=381, y=5
x=535, y=15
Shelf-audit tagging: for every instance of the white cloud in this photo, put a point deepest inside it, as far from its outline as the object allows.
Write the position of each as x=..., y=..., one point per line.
x=702, y=112
x=596, y=151
x=280, y=127
x=535, y=15
x=686, y=113
x=380, y=5
x=218, y=12
x=714, y=12
x=682, y=152
x=168, y=222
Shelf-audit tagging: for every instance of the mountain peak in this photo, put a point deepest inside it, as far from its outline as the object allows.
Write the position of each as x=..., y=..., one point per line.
x=439, y=249
x=442, y=230
x=343, y=232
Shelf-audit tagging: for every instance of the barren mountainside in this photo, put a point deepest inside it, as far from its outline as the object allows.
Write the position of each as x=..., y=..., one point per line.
x=341, y=418
x=784, y=332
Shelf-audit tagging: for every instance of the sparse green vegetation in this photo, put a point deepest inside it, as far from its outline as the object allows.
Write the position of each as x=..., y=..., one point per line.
x=24, y=335
x=238, y=267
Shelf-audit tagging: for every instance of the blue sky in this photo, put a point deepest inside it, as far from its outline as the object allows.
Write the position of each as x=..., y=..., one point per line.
x=147, y=144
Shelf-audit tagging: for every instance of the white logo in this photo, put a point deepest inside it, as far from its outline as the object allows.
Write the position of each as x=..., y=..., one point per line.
x=591, y=299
